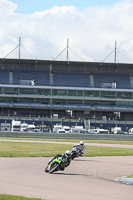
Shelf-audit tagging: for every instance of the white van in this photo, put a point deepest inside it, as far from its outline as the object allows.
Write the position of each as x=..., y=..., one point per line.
x=78, y=130
x=67, y=129
x=61, y=131
x=92, y=131
x=57, y=127
x=102, y=131
x=115, y=130
x=24, y=126
x=75, y=130
x=130, y=131
x=5, y=127
x=16, y=126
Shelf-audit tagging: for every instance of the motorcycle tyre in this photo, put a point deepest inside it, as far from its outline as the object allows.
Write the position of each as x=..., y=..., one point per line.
x=46, y=169
x=74, y=156
x=54, y=167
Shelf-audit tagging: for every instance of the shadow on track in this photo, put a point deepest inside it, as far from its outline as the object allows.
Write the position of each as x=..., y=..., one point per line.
x=84, y=175
x=78, y=159
x=70, y=174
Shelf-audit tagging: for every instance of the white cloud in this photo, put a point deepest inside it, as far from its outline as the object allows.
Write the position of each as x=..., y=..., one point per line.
x=7, y=8
x=92, y=32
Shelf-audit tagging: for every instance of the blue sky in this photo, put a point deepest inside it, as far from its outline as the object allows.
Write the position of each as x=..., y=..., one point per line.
x=92, y=27
x=30, y=6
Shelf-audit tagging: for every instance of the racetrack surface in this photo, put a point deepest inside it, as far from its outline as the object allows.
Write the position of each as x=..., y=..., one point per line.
x=85, y=179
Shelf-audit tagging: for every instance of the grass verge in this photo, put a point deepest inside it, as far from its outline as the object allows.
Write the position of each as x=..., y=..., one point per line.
x=11, y=197
x=131, y=176
x=27, y=149
x=72, y=140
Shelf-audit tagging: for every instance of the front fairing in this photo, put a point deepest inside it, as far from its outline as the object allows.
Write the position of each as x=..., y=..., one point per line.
x=57, y=160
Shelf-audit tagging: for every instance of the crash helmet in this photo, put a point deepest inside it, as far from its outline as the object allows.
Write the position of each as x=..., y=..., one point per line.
x=68, y=153
x=81, y=143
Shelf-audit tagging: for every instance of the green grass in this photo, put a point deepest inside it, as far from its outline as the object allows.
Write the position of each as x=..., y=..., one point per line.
x=107, y=151
x=27, y=149
x=131, y=176
x=10, y=197
x=72, y=140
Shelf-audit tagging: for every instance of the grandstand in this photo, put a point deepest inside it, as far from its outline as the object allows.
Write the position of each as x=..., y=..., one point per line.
x=71, y=89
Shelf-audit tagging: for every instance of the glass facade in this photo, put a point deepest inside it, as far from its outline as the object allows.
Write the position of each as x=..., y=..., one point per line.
x=66, y=96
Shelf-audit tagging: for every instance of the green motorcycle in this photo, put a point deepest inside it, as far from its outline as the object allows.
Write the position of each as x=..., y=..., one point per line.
x=55, y=165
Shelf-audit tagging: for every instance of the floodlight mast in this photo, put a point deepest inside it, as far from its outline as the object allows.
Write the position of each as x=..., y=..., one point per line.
x=115, y=52
x=67, y=50
x=19, y=47
x=67, y=57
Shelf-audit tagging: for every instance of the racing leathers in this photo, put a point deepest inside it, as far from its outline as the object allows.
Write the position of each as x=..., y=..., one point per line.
x=65, y=161
x=81, y=149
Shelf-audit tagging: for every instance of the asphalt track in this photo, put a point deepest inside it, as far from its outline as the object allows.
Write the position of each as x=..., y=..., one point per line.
x=85, y=179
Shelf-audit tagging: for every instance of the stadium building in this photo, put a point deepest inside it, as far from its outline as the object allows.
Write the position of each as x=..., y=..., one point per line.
x=42, y=88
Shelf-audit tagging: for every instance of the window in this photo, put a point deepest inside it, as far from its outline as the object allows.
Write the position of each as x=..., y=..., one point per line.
x=10, y=90
x=91, y=94
x=71, y=92
x=27, y=91
x=107, y=94
x=124, y=95
x=59, y=92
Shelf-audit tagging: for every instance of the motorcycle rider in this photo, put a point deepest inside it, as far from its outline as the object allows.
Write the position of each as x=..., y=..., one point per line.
x=66, y=158
x=81, y=147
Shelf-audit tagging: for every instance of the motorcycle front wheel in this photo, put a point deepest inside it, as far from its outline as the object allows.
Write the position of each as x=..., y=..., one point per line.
x=74, y=155
x=53, y=167
x=46, y=169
